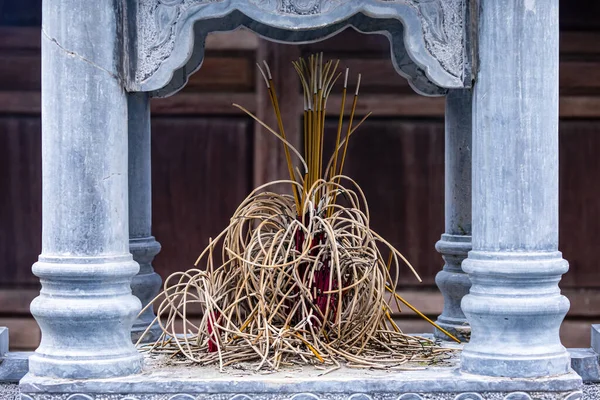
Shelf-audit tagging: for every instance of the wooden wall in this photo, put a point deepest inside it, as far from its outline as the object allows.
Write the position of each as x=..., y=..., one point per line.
x=207, y=156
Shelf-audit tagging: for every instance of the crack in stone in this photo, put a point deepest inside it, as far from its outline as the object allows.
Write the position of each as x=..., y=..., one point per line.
x=111, y=175
x=74, y=54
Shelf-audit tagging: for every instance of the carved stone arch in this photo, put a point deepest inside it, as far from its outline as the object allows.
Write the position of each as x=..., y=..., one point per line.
x=428, y=38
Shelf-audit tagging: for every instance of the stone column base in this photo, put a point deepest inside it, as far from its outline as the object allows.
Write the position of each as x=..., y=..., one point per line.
x=145, y=286
x=515, y=309
x=454, y=285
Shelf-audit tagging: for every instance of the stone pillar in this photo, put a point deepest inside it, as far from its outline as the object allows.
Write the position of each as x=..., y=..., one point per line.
x=142, y=245
x=456, y=241
x=514, y=306
x=85, y=309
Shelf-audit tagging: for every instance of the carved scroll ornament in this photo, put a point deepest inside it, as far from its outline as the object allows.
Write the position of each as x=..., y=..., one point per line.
x=428, y=37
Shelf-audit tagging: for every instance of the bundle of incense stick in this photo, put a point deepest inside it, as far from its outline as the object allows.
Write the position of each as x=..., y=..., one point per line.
x=299, y=278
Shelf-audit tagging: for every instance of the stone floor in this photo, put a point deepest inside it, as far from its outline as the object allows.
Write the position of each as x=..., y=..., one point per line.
x=163, y=381
x=591, y=391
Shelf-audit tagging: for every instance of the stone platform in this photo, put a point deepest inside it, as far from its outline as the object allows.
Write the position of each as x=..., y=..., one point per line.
x=159, y=381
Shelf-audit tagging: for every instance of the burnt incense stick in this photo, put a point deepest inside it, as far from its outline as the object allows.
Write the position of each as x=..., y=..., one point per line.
x=352, y=112
x=275, y=104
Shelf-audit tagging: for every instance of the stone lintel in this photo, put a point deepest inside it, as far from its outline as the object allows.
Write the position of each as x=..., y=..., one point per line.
x=430, y=40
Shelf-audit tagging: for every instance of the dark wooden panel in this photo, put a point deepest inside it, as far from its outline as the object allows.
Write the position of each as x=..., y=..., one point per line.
x=21, y=12
x=231, y=72
x=20, y=71
x=20, y=38
x=20, y=202
x=579, y=43
x=580, y=201
x=20, y=103
x=580, y=77
x=390, y=105
x=579, y=14
x=400, y=167
x=580, y=107
x=24, y=332
x=382, y=105
x=201, y=171
x=350, y=42
x=201, y=104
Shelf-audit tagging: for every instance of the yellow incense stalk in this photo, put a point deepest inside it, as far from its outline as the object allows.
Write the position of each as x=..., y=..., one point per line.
x=350, y=126
x=275, y=103
x=340, y=125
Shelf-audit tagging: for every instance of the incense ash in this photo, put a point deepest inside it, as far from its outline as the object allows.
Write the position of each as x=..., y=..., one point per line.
x=300, y=278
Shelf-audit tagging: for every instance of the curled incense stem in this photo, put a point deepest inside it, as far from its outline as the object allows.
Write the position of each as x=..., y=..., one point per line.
x=259, y=307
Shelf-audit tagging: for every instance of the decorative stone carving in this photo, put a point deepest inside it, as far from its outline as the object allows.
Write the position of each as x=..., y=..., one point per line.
x=165, y=16
x=305, y=396
x=241, y=397
x=182, y=397
x=577, y=395
x=432, y=55
x=79, y=397
x=301, y=7
x=410, y=396
x=468, y=396
x=443, y=27
x=518, y=396
x=360, y=396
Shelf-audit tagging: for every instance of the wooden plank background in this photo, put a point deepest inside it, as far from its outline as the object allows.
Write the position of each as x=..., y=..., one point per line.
x=207, y=156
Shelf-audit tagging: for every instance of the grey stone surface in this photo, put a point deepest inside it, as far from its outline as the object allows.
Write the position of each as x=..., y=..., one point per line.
x=591, y=391
x=320, y=396
x=142, y=245
x=9, y=391
x=514, y=306
x=456, y=242
x=13, y=365
x=596, y=338
x=160, y=381
x=586, y=363
x=85, y=309
x=3, y=340
x=429, y=37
